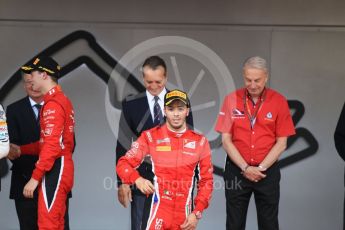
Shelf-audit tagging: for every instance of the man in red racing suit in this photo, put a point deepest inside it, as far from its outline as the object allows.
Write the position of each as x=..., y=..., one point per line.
x=54, y=168
x=175, y=153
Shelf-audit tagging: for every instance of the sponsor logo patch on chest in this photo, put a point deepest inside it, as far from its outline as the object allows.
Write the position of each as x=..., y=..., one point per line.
x=236, y=113
x=165, y=140
x=189, y=144
x=269, y=116
x=189, y=147
x=163, y=148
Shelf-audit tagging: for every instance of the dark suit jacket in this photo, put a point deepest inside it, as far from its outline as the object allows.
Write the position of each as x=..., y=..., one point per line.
x=135, y=118
x=339, y=135
x=22, y=129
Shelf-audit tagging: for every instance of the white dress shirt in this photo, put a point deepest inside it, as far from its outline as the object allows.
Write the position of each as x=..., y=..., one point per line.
x=33, y=103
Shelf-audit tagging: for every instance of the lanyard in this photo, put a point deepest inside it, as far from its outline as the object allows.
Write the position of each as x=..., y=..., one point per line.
x=257, y=107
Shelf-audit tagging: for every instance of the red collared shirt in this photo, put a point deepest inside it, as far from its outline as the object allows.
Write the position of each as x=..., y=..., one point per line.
x=273, y=120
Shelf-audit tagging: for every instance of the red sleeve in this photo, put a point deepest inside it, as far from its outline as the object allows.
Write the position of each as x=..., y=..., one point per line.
x=52, y=126
x=127, y=164
x=224, y=121
x=205, y=185
x=30, y=149
x=284, y=123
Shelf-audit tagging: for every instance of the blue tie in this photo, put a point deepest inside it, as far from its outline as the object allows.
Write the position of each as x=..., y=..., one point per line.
x=157, y=112
x=38, y=107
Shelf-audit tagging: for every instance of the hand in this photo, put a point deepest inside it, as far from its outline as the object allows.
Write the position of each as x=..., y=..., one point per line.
x=145, y=186
x=29, y=188
x=254, y=174
x=124, y=195
x=261, y=169
x=14, y=152
x=190, y=223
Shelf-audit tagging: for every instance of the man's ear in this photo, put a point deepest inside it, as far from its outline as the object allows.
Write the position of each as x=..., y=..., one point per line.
x=266, y=78
x=45, y=75
x=165, y=80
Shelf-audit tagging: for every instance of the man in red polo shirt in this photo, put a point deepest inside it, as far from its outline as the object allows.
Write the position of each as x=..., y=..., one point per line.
x=255, y=122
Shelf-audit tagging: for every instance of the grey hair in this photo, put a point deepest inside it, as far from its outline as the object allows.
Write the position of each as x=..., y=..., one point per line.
x=256, y=63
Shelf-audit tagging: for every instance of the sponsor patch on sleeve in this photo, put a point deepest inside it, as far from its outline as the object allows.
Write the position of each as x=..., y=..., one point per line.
x=133, y=151
x=48, y=131
x=148, y=134
x=48, y=112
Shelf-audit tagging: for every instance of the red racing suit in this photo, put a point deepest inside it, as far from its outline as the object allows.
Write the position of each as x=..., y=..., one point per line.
x=54, y=168
x=174, y=156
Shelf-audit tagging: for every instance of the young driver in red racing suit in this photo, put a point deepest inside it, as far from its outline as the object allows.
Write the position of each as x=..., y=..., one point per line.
x=175, y=153
x=54, y=168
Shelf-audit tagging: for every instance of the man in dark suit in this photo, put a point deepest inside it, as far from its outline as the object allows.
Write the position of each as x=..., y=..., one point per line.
x=339, y=139
x=23, y=128
x=139, y=113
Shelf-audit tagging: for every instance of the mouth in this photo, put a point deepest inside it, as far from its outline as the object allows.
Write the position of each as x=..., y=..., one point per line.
x=252, y=90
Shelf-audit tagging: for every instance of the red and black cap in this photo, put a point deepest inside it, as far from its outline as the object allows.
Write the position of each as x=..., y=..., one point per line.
x=176, y=95
x=43, y=64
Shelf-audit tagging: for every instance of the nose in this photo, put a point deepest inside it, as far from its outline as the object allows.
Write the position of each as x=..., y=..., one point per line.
x=155, y=85
x=154, y=88
x=176, y=113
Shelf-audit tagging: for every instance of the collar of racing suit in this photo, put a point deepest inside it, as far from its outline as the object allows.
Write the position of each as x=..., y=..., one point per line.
x=53, y=91
x=171, y=133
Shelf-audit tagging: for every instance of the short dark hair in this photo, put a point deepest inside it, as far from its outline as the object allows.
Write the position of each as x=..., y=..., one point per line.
x=54, y=79
x=154, y=62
